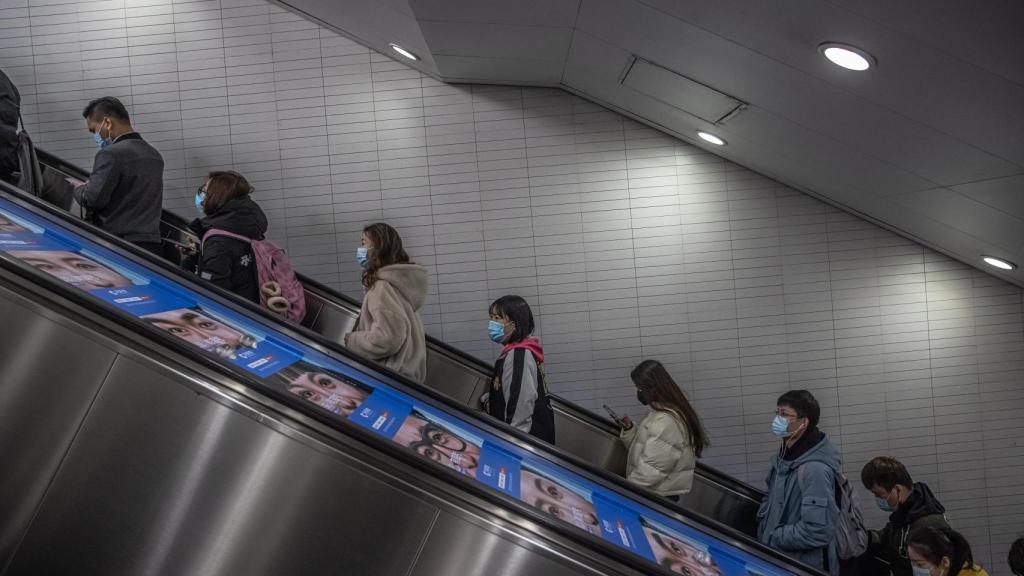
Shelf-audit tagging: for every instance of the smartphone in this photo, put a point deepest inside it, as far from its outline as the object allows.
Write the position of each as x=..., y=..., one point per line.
x=174, y=243
x=611, y=413
x=182, y=247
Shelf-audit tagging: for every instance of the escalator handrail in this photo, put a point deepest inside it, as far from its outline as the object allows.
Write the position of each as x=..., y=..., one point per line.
x=572, y=408
x=731, y=483
x=609, y=482
x=125, y=321
x=544, y=450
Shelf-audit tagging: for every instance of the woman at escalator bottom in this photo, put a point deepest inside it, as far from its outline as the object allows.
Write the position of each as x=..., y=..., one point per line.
x=665, y=445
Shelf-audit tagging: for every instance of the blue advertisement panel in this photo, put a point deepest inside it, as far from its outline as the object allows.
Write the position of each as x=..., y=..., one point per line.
x=383, y=412
x=621, y=526
x=351, y=392
x=499, y=470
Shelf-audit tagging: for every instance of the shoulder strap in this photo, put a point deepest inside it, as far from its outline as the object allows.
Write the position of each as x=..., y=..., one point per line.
x=219, y=232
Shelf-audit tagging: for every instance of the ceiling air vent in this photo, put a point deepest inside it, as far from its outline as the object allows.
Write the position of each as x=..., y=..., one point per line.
x=680, y=92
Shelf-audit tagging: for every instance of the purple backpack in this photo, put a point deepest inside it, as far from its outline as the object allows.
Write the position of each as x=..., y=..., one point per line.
x=280, y=290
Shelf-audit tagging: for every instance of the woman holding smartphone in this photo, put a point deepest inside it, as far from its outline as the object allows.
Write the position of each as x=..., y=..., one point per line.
x=664, y=447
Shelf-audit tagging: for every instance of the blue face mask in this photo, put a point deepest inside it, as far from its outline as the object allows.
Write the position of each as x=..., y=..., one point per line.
x=361, y=256
x=919, y=571
x=200, y=198
x=496, y=330
x=780, y=427
x=883, y=505
x=100, y=140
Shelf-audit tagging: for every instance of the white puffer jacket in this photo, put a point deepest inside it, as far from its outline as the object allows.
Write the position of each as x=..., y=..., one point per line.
x=661, y=455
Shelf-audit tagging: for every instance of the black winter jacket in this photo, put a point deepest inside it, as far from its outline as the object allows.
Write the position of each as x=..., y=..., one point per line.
x=225, y=261
x=920, y=509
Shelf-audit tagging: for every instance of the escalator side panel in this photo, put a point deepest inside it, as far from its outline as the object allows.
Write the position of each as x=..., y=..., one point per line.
x=314, y=306
x=180, y=484
x=44, y=397
x=583, y=441
x=333, y=322
x=725, y=506
x=456, y=546
x=448, y=376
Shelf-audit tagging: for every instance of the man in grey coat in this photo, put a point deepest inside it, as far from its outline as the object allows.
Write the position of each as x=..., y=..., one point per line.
x=125, y=193
x=799, y=514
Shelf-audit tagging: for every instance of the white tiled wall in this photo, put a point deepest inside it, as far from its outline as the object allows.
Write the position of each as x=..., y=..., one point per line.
x=627, y=243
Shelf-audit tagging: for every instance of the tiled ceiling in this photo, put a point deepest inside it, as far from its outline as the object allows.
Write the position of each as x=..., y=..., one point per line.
x=929, y=143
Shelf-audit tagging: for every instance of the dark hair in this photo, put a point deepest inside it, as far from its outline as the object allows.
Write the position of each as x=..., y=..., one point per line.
x=518, y=311
x=1016, y=556
x=803, y=403
x=106, y=106
x=935, y=543
x=651, y=377
x=386, y=249
x=223, y=187
x=885, y=472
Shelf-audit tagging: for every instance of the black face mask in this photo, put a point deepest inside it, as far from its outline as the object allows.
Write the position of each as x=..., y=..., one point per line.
x=641, y=396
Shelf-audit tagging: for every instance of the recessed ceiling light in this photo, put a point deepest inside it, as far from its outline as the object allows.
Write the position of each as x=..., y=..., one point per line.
x=999, y=262
x=849, y=57
x=709, y=137
x=403, y=51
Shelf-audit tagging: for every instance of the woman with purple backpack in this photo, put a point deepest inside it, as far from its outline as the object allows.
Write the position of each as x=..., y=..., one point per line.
x=224, y=203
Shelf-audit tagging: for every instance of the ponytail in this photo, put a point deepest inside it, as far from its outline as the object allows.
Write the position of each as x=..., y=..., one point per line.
x=934, y=544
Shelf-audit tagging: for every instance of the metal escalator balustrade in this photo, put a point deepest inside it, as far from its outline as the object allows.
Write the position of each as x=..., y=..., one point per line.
x=579, y=432
x=338, y=385
x=145, y=463
x=463, y=377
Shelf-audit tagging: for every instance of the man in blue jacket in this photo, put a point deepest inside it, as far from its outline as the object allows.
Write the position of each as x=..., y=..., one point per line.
x=799, y=513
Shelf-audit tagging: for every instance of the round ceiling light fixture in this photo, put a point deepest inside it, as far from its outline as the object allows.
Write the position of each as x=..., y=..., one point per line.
x=403, y=51
x=709, y=137
x=998, y=262
x=846, y=56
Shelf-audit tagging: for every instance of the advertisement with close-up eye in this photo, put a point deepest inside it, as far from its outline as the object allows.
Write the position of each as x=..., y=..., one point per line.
x=440, y=440
x=678, y=553
x=558, y=496
x=80, y=269
x=327, y=389
x=199, y=328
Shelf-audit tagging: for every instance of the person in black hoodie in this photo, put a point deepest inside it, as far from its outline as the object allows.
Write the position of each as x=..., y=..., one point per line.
x=912, y=506
x=1016, y=557
x=225, y=204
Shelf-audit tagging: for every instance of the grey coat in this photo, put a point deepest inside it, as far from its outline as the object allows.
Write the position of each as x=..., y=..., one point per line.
x=125, y=192
x=799, y=514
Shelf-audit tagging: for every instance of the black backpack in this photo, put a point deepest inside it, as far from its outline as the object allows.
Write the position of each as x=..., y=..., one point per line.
x=19, y=164
x=10, y=121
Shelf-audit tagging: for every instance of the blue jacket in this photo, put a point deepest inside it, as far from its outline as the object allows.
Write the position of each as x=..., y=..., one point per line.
x=799, y=513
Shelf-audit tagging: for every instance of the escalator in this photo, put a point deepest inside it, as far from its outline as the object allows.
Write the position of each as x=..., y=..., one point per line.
x=151, y=425
x=581, y=433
